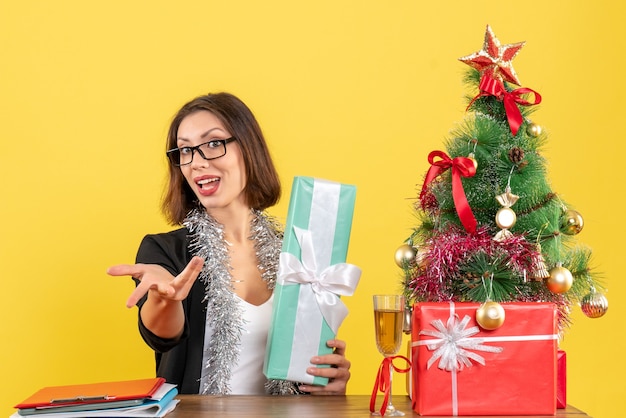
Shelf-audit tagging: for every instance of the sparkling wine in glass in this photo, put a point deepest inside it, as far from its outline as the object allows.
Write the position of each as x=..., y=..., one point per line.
x=388, y=323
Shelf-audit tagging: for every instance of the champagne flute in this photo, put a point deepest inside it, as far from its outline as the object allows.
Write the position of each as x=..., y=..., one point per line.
x=388, y=322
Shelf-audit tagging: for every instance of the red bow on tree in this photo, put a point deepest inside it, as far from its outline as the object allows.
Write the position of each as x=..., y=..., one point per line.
x=490, y=86
x=461, y=166
x=383, y=381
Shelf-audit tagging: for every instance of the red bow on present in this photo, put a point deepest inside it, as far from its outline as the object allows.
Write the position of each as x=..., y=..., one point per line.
x=461, y=166
x=489, y=86
x=383, y=381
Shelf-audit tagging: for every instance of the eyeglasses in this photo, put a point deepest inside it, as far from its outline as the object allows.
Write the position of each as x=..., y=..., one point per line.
x=211, y=150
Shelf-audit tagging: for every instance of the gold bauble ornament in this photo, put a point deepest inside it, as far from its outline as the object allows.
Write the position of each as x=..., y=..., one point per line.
x=560, y=279
x=405, y=255
x=490, y=315
x=571, y=222
x=505, y=218
x=472, y=157
x=594, y=305
x=533, y=130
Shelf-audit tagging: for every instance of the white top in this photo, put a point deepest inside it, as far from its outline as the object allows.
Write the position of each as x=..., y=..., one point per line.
x=247, y=376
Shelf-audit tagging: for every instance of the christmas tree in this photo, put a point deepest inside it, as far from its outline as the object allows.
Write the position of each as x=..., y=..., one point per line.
x=491, y=229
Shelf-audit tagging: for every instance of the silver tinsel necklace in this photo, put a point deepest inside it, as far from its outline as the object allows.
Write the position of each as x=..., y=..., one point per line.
x=224, y=316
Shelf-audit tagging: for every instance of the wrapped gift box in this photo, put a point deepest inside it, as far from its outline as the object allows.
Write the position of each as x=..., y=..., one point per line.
x=307, y=310
x=508, y=371
x=561, y=380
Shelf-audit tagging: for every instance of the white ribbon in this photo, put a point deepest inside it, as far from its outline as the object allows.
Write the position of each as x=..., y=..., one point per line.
x=337, y=279
x=452, y=342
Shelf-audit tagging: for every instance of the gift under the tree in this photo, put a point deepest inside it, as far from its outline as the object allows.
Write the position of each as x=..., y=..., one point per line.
x=561, y=380
x=312, y=275
x=462, y=369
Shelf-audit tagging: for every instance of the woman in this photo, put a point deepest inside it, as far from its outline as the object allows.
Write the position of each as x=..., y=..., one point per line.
x=209, y=334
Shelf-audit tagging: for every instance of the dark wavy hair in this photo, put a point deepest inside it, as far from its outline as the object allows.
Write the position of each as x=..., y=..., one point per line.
x=262, y=188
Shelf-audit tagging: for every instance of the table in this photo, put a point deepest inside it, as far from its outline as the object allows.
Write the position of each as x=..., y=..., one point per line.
x=300, y=406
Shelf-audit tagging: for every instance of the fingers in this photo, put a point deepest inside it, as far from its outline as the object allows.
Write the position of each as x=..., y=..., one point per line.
x=338, y=380
x=164, y=290
x=136, y=271
x=339, y=367
x=338, y=373
x=125, y=270
x=190, y=273
x=331, y=373
x=156, y=278
x=337, y=359
x=338, y=345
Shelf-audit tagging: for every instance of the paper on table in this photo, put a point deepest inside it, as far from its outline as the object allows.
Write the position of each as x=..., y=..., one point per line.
x=92, y=393
x=161, y=403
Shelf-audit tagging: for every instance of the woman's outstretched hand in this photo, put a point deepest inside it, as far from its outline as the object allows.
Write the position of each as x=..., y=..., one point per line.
x=159, y=281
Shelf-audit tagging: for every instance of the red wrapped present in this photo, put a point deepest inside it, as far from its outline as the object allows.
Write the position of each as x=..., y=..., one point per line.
x=462, y=369
x=561, y=380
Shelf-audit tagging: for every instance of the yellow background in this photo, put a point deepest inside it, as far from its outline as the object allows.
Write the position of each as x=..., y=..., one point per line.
x=353, y=91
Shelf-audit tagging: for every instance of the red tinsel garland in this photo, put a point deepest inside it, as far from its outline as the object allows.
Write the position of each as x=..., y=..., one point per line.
x=443, y=253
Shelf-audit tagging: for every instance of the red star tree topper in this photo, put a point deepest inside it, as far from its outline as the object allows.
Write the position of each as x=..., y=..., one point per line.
x=495, y=59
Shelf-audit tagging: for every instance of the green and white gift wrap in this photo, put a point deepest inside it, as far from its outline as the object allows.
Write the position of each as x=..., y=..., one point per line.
x=312, y=274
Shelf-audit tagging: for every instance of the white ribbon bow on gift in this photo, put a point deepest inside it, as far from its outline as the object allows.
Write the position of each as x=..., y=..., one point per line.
x=337, y=279
x=453, y=342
